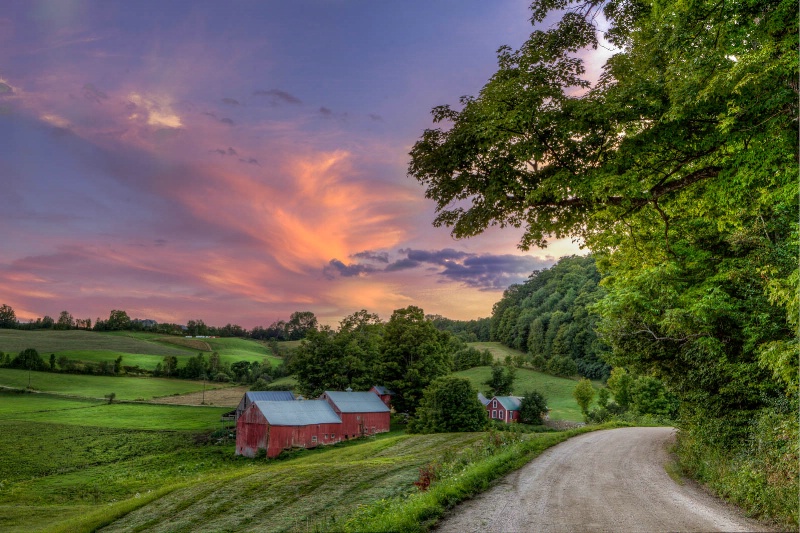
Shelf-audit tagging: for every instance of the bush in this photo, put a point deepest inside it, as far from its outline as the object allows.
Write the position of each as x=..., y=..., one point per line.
x=449, y=404
x=532, y=407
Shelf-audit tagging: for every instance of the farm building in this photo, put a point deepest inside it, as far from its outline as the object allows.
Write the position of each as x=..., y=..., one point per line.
x=281, y=425
x=384, y=393
x=262, y=396
x=504, y=408
x=362, y=413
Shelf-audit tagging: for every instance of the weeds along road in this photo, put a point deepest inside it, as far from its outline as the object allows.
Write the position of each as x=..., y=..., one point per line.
x=612, y=480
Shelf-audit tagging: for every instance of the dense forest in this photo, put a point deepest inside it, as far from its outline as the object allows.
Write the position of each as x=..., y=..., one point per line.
x=549, y=317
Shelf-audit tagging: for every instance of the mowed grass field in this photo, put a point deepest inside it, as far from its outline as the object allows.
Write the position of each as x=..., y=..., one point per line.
x=33, y=407
x=557, y=391
x=125, y=388
x=141, y=349
x=63, y=477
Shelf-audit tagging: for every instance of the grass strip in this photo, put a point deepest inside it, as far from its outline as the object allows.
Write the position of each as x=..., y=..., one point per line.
x=421, y=510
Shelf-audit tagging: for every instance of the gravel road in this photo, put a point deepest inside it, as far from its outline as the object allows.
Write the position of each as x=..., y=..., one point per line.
x=612, y=480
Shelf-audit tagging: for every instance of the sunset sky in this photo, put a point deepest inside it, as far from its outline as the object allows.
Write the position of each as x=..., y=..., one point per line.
x=238, y=161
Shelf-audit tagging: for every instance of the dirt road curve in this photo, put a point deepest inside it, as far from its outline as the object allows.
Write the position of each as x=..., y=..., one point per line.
x=611, y=480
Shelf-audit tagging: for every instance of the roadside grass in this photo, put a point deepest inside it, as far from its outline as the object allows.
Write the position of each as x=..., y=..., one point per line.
x=125, y=388
x=45, y=408
x=419, y=511
x=557, y=391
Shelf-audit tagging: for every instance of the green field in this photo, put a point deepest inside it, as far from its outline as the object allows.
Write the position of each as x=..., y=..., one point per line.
x=34, y=407
x=141, y=349
x=557, y=391
x=126, y=388
x=102, y=470
x=498, y=350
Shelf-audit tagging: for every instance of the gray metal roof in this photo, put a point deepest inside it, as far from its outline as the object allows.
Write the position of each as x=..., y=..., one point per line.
x=298, y=413
x=270, y=396
x=484, y=400
x=382, y=390
x=357, y=402
x=509, y=402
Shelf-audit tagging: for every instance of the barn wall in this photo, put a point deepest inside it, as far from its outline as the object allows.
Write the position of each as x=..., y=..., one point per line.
x=287, y=437
x=251, y=432
x=359, y=424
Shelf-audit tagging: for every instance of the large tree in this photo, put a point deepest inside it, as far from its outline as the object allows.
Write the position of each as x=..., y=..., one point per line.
x=414, y=353
x=449, y=404
x=678, y=168
x=8, y=318
x=336, y=360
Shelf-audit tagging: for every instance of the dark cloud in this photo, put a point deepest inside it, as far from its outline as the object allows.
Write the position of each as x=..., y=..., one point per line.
x=336, y=268
x=278, y=96
x=160, y=242
x=93, y=94
x=223, y=151
x=369, y=255
x=376, y=118
x=231, y=101
x=325, y=112
x=249, y=160
x=5, y=89
x=481, y=271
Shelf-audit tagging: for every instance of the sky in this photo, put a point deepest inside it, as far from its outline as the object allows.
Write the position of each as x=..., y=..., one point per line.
x=235, y=162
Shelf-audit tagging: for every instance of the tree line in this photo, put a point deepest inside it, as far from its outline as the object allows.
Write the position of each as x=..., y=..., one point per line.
x=294, y=328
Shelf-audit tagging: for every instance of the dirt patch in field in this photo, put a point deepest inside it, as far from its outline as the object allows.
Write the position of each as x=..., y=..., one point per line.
x=228, y=397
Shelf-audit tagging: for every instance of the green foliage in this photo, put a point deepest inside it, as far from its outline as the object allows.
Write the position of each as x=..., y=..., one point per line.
x=548, y=317
x=28, y=359
x=620, y=384
x=502, y=380
x=678, y=169
x=532, y=408
x=8, y=318
x=336, y=360
x=414, y=353
x=449, y=404
x=583, y=394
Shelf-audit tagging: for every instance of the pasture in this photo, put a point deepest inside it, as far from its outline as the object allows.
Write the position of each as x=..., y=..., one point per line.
x=557, y=391
x=45, y=408
x=126, y=388
x=137, y=480
x=141, y=349
x=498, y=350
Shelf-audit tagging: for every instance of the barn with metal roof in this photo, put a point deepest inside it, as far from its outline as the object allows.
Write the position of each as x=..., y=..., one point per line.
x=262, y=396
x=362, y=413
x=280, y=425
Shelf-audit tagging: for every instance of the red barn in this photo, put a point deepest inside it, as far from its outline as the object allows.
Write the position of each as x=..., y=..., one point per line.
x=262, y=396
x=384, y=393
x=504, y=408
x=278, y=426
x=362, y=413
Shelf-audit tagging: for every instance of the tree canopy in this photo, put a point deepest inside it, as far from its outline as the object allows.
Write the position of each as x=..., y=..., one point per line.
x=449, y=403
x=678, y=169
